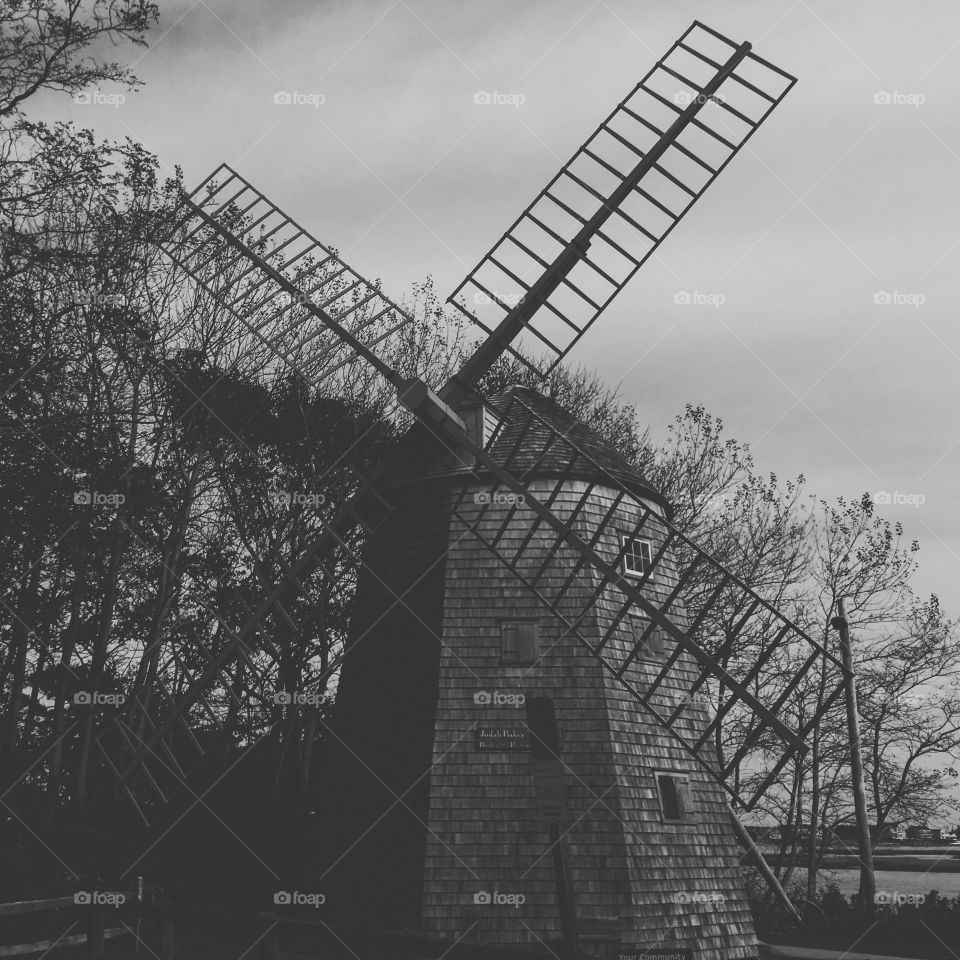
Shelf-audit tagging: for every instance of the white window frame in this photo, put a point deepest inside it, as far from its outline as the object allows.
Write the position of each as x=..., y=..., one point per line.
x=627, y=569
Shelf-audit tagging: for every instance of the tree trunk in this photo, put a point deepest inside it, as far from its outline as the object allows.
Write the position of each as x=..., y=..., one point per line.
x=99, y=655
x=34, y=702
x=166, y=595
x=22, y=630
x=66, y=655
x=814, y=818
x=110, y=591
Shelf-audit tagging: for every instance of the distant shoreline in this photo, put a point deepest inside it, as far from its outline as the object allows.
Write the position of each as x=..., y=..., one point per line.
x=935, y=861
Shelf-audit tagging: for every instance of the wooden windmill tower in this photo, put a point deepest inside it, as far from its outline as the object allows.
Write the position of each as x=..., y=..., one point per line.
x=550, y=694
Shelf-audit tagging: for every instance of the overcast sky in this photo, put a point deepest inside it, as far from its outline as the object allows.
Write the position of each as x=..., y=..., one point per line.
x=837, y=198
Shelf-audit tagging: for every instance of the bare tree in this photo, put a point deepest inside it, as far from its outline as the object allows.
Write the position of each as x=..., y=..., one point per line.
x=53, y=44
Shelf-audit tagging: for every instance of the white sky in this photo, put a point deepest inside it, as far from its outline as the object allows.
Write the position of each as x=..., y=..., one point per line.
x=835, y=199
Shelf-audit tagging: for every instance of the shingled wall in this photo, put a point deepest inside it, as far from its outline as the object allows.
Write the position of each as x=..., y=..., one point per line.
x=628, y=866
x=426, y=642
x=485, y=836
x=686, y=886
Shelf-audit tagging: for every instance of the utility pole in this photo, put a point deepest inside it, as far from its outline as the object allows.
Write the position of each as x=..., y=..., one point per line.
x=868, y=886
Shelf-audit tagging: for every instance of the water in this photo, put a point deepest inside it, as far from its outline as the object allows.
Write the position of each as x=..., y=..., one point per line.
x=895, y=881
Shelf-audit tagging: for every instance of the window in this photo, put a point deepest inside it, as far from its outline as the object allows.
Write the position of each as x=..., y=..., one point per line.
x=655, y=645
x=519, y=641
x=676, y=804
x=637, y=557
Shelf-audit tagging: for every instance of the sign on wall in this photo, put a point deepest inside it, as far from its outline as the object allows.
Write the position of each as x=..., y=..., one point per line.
x=503, y=737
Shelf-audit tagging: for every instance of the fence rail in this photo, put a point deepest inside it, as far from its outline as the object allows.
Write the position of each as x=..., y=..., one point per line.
x=90, y=917
x=157, y=928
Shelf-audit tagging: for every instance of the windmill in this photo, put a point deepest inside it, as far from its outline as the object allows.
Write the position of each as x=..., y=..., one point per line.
x=512, y=558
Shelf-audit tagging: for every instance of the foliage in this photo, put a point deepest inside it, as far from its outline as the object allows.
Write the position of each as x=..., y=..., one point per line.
x=836, y=922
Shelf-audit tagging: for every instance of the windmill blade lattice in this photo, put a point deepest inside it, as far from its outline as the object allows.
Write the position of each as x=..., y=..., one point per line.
x=289, y=293
x=753, y=666
x=564, y=259
x=151, y=743
x=166, y=760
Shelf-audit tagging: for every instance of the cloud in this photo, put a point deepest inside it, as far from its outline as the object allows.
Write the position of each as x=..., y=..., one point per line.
x=837, y=197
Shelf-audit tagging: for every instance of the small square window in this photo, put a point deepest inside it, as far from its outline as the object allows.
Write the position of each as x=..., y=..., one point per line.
x=676, y=803
x=637, y=557
x=519, y=641
x=654, y=647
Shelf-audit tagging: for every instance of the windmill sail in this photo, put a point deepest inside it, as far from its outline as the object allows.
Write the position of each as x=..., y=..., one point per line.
x=290, y=294
x=563, y=260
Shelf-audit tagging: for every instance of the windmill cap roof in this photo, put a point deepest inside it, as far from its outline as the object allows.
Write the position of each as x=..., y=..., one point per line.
x=538, y=419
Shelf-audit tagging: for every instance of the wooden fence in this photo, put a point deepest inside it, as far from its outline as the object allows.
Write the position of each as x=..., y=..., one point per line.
x=100, y=925
x=83, y=924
